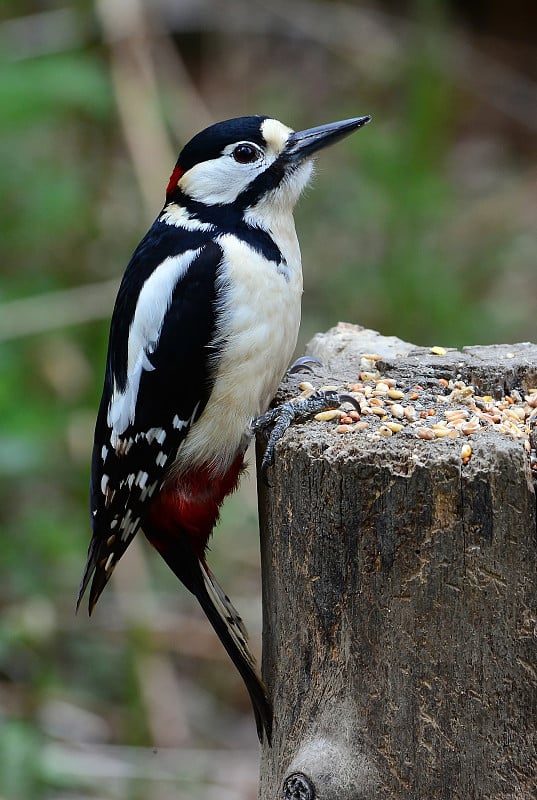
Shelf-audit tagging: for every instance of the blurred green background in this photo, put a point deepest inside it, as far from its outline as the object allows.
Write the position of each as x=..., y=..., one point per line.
x=422, y=225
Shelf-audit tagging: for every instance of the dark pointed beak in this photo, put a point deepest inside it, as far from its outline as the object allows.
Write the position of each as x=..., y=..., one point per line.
x=305, y=143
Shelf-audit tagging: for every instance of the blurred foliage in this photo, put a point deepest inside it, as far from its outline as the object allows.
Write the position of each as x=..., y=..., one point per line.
x=422, y=226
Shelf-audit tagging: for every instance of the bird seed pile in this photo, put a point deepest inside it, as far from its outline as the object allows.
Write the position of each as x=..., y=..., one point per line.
x=450, y=409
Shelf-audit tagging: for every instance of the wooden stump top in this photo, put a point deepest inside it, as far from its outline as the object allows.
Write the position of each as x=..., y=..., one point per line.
x=400, y=578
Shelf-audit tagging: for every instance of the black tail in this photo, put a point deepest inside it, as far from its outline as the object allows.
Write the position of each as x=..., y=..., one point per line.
x=198, y=578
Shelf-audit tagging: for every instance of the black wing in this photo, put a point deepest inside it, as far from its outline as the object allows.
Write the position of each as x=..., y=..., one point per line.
x=162, y=392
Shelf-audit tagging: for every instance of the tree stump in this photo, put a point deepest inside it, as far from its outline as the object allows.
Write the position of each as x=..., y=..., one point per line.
x=400, y=582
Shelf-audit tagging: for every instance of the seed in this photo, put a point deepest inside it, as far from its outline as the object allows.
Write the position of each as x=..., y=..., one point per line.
x=380, y=412
x=456, y=414
x=414, y=396
x=492, y=418
x=397, y=410
x=466, y=452
x=410, y=413
x=354, y=415
x=371, y=356
x=346, y=420
x=395, y=427
x=395, y=394
x=440, y=429
x=380, y=389
x=428, y=412
x=343, y=428
x=438, y=351
x=376, y=401
x=440, y=433
x=357, y=387
x=384, y=431
x=465, y=392
x=516, y=413
x=326, y=416
x=444, y=382
x=516, y=433
x=531, y=399
x=360, y=426
x=469, y=427
x=329, y=388
x=368, y=376
x=306, y=386
x=425, y=433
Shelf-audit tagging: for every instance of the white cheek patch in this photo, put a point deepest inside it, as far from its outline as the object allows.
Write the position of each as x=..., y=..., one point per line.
x=153, y=303
x=221, y=180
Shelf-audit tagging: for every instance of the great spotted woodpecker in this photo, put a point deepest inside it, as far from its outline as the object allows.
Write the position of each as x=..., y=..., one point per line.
x=204, y=325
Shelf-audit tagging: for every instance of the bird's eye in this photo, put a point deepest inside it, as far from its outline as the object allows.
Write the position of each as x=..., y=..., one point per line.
x=246, y=153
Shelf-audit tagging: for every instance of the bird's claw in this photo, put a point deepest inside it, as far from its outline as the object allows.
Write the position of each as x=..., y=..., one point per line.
x=304, y=364
x=283, y=415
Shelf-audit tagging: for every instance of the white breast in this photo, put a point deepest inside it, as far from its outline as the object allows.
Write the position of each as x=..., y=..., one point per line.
x=256, y=336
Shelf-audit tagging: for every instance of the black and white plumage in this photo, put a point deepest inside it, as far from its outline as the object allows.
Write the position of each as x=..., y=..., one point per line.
x=204, y=326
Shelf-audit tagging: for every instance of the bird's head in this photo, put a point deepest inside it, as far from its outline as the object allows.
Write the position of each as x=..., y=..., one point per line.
x=241, y=161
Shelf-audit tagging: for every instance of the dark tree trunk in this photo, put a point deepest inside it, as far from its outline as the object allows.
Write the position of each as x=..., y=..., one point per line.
x=400, y=593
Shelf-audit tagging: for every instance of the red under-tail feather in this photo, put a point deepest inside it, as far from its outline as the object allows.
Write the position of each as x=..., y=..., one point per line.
x=180, y=522
x=180, y=556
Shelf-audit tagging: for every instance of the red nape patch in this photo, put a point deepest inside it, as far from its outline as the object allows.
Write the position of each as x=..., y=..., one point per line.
x=191, y=505
x=175, y=177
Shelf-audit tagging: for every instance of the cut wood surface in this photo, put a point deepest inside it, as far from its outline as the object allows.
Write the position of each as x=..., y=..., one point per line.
x=400, y=581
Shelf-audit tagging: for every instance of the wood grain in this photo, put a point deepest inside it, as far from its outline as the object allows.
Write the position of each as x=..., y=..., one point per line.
x=400, y=598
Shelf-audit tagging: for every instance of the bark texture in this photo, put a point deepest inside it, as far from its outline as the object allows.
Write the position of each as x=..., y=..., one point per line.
x=400, y=597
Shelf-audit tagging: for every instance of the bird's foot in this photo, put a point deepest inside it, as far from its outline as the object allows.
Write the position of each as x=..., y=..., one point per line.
x=283, y=415
x=304, y=364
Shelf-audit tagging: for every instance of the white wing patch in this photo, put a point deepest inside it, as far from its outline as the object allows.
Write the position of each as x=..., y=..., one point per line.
x=153, y=303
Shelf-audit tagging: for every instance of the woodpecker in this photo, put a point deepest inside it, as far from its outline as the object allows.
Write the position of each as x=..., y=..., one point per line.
x=204, y=325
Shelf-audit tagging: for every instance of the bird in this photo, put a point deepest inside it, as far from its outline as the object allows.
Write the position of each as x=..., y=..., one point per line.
x=203, y=329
